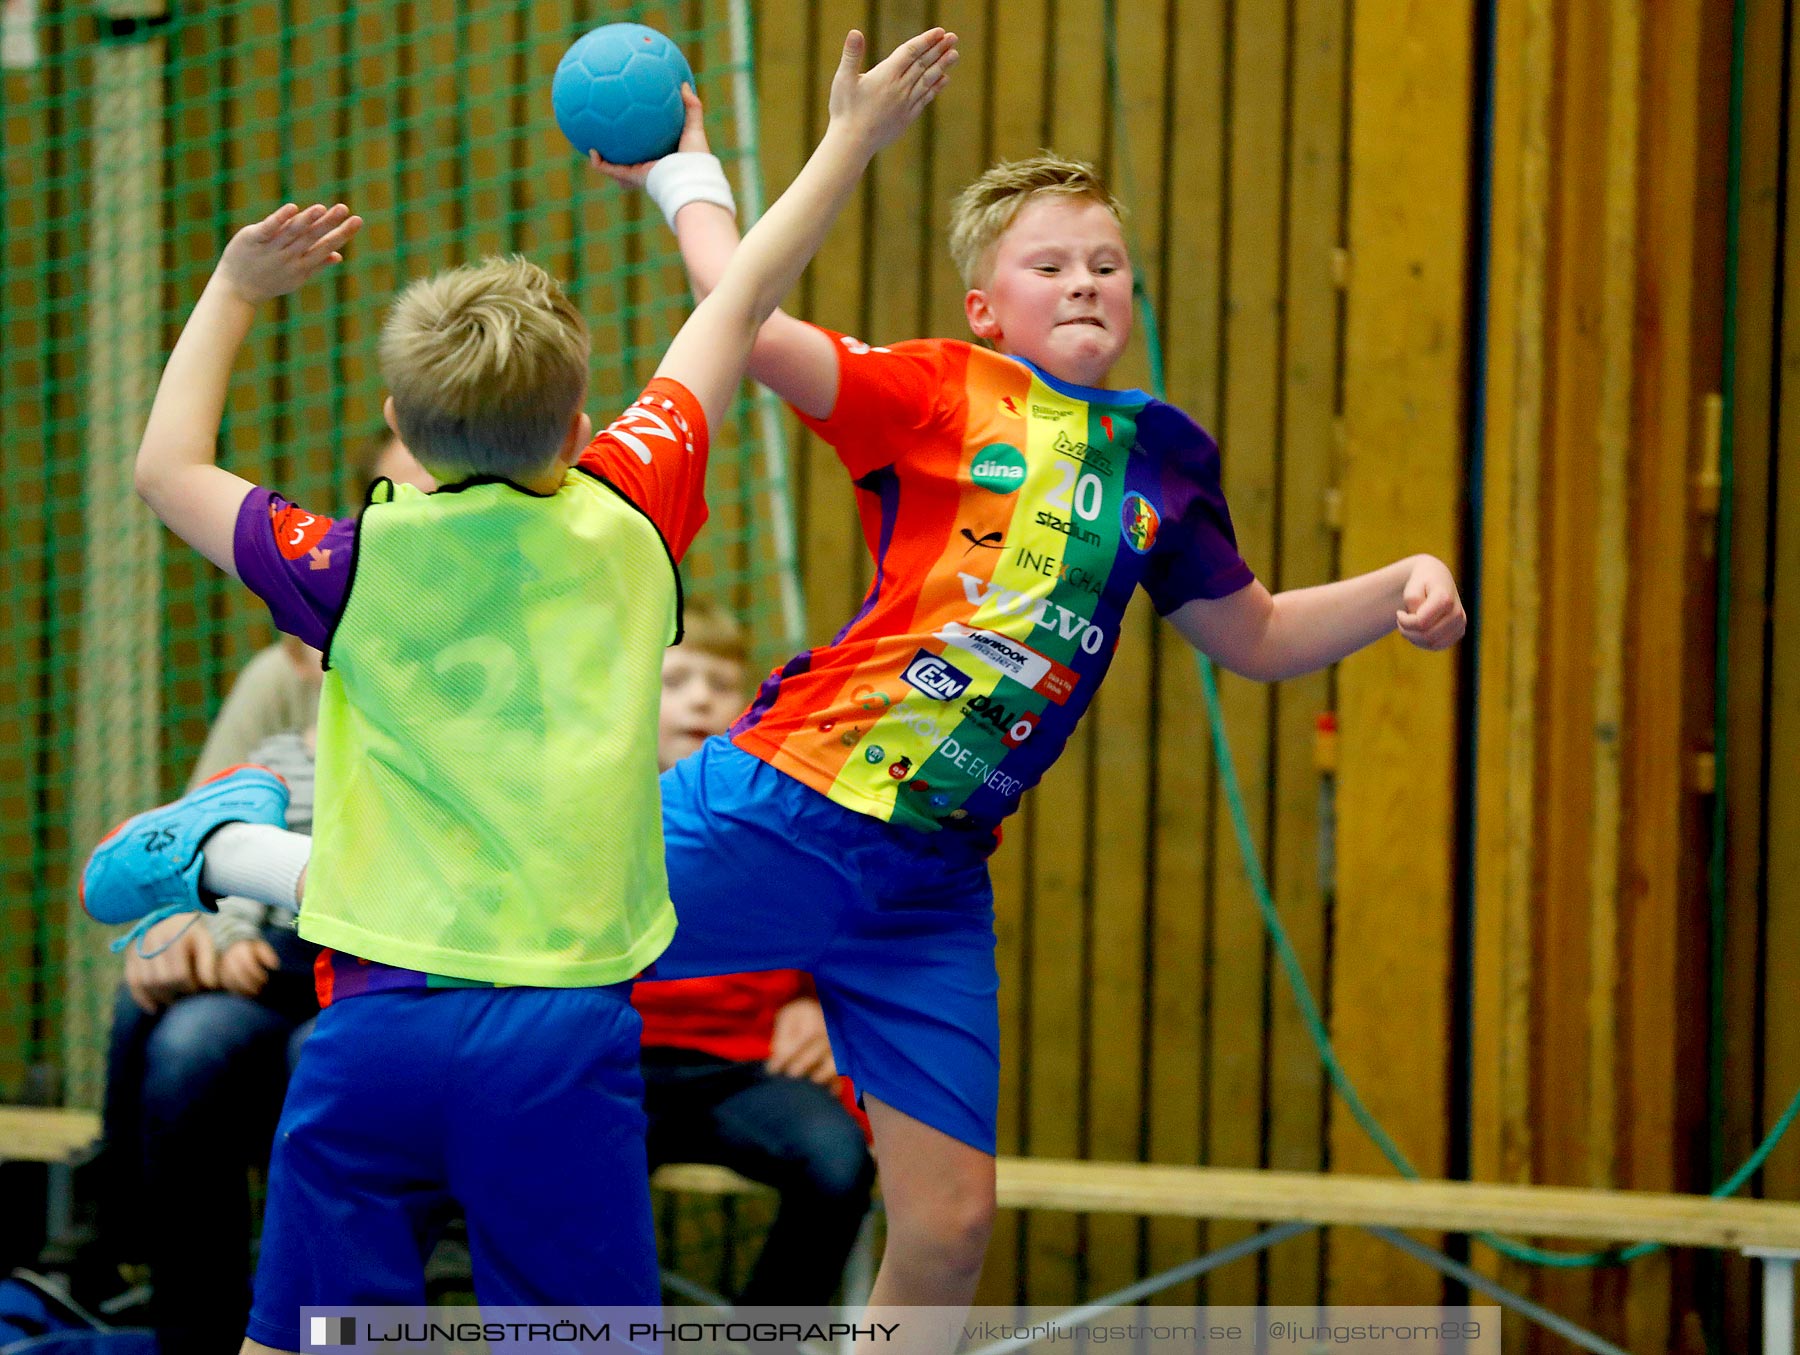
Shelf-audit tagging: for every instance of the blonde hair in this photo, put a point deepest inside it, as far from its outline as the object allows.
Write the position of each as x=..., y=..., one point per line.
x=985, y=209
x=486, y=365
x=714, y=631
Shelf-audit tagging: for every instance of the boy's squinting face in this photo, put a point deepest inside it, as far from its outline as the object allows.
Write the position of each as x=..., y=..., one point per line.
x=1059, y=294
x=700, y=694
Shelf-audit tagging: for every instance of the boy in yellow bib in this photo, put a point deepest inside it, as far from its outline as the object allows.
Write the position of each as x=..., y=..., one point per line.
x=488, y=804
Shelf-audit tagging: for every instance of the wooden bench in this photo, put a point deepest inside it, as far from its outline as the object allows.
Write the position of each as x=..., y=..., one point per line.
x=46, y=1134
x=1293, y=1201
x=705, y=1178
x=1611, y=1216
x=58, y=1138
x=1298, y=1201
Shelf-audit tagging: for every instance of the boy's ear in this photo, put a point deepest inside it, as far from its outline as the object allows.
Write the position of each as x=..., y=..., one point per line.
x=982, y=321
x=389, y=417
x=575, y=441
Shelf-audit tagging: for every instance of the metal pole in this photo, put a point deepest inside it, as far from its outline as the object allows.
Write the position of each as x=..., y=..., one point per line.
x=768, y=408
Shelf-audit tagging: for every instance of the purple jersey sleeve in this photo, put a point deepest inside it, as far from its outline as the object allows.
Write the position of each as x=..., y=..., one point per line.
x=1196, y=554
x=298, y=563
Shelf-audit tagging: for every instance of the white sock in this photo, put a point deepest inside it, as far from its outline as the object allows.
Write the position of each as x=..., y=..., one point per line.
x=256, y=861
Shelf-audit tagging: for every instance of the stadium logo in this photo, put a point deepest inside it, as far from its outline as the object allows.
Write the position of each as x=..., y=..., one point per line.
x=931, y=675
x=999, y=468
x=1070, y=529
x=1141, y=522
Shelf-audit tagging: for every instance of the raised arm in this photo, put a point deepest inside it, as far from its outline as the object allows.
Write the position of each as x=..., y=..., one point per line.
x=739, y=285
x=176, y=472
x=1270, y=637
x=792, y=358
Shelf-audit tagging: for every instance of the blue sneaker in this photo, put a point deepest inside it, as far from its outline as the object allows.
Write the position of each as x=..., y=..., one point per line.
x=148, y=868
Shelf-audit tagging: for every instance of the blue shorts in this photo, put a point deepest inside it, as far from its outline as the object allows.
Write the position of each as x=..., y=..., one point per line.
x=523, y=1106
x=896, y=927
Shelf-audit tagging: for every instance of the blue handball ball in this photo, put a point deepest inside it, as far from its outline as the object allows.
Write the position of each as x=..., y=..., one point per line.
x=618, y=91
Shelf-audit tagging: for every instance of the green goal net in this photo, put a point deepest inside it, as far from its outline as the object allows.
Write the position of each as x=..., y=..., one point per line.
x=138, y=136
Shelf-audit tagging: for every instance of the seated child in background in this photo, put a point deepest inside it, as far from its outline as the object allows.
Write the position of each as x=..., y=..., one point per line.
x=203, y=1039
x=490, y=873
x=737, y=1069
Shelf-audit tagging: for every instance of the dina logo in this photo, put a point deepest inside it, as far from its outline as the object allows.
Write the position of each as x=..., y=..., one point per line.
x=931, y=675
x=999, y=468
x=1140, y=522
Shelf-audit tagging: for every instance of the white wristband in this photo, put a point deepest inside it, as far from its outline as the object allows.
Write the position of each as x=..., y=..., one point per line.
x=688, y=176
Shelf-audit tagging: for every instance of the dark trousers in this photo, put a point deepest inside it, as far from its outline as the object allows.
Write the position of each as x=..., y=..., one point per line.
x=790, y=1134
x=192, y=1096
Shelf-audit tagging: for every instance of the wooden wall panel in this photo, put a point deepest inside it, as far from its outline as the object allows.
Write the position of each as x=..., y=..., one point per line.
x=1563, y=958
x=1508, y=603
x=1676, y=358
x=1125, y=732
x=1404, y=358
x=1297, y=1091
x=1069, y=855
x=1745, y=757
x=1248, y=431
x=1781, y=950
x=1580, y=1056
x=1189, y=295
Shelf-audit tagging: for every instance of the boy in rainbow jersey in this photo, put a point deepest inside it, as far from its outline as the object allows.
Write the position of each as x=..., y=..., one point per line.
x=1012, y=503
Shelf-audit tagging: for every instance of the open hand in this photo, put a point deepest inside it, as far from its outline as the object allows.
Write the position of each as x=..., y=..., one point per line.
x=283, y=250
x=1433, y=616
x=882, y=104
x=693, y=138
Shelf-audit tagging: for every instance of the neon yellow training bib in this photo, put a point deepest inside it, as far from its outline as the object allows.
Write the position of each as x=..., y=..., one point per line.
x=487, y=785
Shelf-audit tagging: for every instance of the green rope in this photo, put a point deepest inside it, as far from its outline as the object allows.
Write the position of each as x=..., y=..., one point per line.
x=1258, y=880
